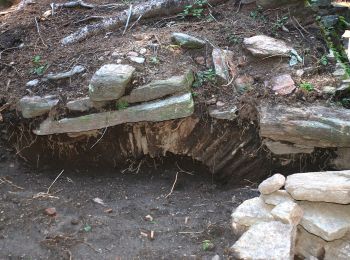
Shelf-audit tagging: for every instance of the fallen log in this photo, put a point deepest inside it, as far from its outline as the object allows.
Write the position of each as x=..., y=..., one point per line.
x=313, y=126
x=149, y=9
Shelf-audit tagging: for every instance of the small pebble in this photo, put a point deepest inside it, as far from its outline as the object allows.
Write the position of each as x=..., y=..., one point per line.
x=50, y=212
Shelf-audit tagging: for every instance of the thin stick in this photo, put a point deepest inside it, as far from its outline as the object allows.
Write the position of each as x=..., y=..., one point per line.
x=48, y=190
x=99, y=138
x=128, y=20
x=172, y=188
x=4, y=180
x=181, y=170
x=138, y=19
x=190, y=232
x=89, y=18
x=38, y=30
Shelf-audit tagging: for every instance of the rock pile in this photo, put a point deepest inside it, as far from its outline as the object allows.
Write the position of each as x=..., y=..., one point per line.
x=309, y=219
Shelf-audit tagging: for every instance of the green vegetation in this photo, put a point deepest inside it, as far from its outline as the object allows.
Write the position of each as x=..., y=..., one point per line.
x=87, y=228
x=234, y=39
x=306, y=86
x=279, y=24
x=207, y=245
x=332, y=36
x=122, y=104
x=324, y=60
x=345, y=102
x=195, y=10
x=39, y=66
x=258, y=14
x=154, y=60
x=204, y=77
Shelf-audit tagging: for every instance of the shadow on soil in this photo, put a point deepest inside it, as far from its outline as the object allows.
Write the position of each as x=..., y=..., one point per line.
x=197, y=210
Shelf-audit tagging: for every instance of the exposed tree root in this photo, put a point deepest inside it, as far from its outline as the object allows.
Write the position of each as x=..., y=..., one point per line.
x=82, y=4
x=149, y=9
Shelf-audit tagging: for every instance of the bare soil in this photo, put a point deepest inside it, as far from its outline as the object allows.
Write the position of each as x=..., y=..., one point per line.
x=223, y=26
x=197, y=210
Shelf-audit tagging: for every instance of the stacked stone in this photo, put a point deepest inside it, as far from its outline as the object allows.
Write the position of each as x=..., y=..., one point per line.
x=309, y=219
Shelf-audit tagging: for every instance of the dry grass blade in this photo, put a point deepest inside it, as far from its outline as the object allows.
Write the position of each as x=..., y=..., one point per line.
x=47, y=193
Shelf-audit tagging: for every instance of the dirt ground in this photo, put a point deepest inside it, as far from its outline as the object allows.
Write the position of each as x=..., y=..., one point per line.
x=197, y=210
x=222, y=26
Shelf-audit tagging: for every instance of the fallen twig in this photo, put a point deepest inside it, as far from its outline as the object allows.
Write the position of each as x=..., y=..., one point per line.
x=89, y=19
x=4, y=180
x=172, y=188
x=38, y=30
x=99, y=138
x=128, y=20
x=47, y=193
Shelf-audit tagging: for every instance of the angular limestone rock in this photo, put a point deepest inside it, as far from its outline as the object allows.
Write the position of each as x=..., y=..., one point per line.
x=272, y=184
x=288, y=213
x=161, y=88
x=266, y=240
x=284, y=148
x=167, y=109
x=252, y=211
x=36, y=106
x=338, y=250
x=314, y=126
x=223, y=60
x=110, y=81
x=326, y=220
x=187, y=41
x=227, y=113
x=277, y=197
x=308, y=245
x=262, y=45
x=331, y=186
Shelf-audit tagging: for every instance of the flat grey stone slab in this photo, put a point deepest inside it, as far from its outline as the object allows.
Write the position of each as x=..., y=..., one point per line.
x=167, y=109
x=187, y=41
x=161, y=88
x=313, y=126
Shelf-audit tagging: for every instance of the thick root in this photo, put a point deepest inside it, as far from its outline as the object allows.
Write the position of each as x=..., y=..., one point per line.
x=149, y=9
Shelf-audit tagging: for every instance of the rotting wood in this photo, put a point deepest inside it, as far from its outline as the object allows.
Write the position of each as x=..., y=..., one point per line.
x=313, y=126
x=149, y=9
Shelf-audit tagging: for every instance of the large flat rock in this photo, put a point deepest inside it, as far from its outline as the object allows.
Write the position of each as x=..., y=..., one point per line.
x=167, y=109
x=161, y=88
x=266, y=240
x=109, y=82
x=252, y=211
x=326, y=220
x=313, y=126
x=331, y=186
